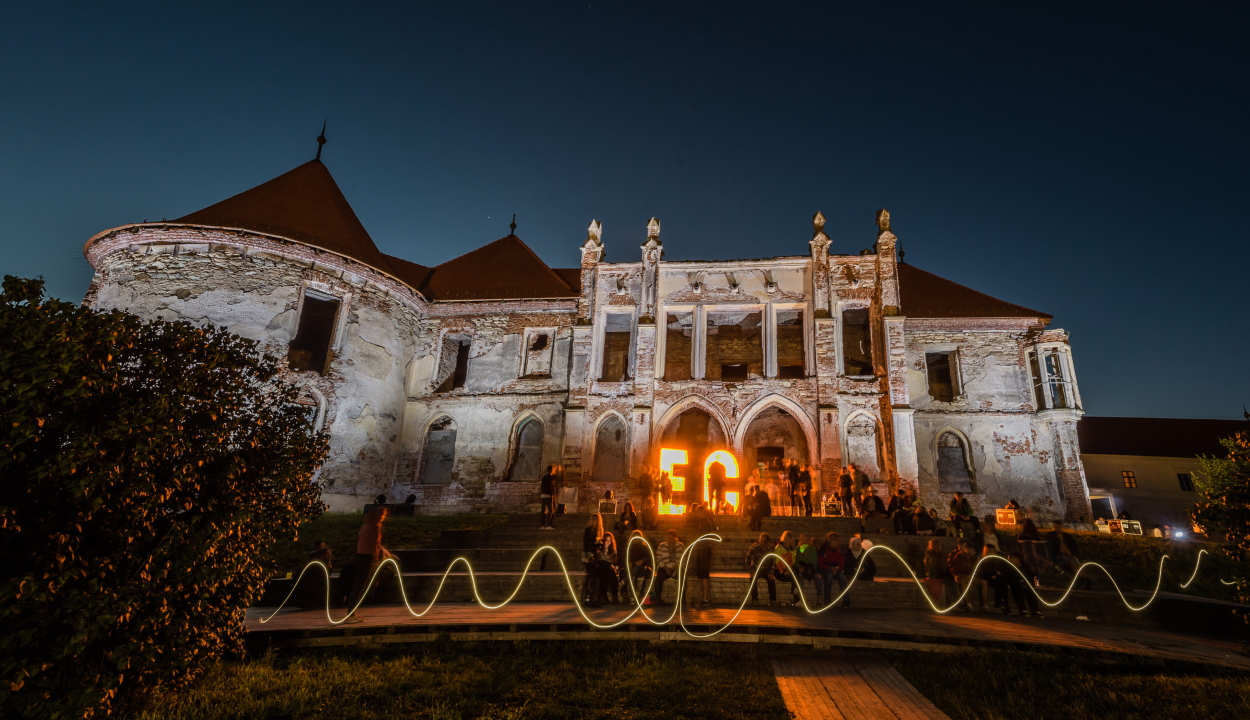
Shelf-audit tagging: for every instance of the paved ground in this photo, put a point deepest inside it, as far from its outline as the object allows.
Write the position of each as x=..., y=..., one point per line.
x=849, y=687
x=863, y=627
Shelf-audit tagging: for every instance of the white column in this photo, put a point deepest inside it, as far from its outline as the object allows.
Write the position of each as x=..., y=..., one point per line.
x=905, y=457
x=770, y=340
x=698, y=355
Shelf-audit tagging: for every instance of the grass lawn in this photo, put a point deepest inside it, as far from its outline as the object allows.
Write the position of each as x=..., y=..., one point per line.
x=988, y=685
x=340, y=531
x=487, y=680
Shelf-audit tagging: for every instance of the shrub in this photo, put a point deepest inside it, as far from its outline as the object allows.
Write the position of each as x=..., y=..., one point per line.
x=144, y=467
x=1223, y=508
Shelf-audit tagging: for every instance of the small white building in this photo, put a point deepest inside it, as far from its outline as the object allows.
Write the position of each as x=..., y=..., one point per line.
x=1148, y=467
x=459, y=383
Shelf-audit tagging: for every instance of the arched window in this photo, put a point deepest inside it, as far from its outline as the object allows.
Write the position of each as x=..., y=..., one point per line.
x=527, y=452
x=439, y=458
x=954, y=470
x=611, y=450
x=863, y=445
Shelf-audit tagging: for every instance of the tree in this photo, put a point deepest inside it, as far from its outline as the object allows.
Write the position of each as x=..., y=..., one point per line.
x=144, y=469
x=1224, y=507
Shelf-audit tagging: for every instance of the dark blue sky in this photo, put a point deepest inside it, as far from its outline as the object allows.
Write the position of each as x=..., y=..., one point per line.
x=1092, y=164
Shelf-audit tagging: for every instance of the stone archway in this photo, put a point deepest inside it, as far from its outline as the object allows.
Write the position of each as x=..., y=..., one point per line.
x=774, y=434
x=700, y=434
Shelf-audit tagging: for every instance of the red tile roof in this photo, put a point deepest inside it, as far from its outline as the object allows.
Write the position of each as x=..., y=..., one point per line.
x=304, y=204
x=503, y=270
x=571, y=277
x=925, y=295
x=1155, y=437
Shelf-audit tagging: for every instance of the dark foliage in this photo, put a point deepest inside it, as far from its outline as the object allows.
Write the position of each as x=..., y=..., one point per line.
x=144, y=469
x=1223, y=510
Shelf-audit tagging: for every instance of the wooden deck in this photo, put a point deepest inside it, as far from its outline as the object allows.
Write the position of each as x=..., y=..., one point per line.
x=849, y=687
x=859, y=627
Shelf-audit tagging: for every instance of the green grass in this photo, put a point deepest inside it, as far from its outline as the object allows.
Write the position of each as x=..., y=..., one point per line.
x=486, y=680
x=340, y=531
x=988, y=685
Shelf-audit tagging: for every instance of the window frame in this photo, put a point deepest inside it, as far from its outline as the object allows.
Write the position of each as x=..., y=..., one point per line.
x=1129, y=478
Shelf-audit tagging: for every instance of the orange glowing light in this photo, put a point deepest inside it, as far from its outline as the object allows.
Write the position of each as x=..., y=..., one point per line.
x=724, y=457
x=668, y=458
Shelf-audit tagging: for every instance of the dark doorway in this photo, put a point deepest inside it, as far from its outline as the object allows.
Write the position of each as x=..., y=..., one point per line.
x=1102, y=508
x=310, y=348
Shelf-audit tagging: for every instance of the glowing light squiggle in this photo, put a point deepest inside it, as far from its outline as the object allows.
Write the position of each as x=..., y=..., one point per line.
x=683, y=569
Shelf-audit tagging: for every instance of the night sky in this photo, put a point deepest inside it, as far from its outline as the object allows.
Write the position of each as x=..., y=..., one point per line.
x=1093, y=166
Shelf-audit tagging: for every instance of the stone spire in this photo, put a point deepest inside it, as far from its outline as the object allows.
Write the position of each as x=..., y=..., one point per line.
x=820, y=265
x=652, y=251
x=592, y=253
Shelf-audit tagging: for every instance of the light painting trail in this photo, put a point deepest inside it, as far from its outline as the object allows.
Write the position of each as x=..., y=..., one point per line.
x=683, y=571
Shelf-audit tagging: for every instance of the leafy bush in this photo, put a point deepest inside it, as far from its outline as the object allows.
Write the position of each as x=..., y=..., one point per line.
x=1223, y=508
x=144, y=469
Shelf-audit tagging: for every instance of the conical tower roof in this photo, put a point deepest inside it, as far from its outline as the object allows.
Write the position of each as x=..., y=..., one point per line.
x=304, y=204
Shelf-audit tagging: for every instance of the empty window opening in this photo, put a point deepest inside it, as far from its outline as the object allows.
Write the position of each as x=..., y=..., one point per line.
x=461, y=373
x=537, y=360
x=1186, y=480
x=791, y=355
x=539, y=344
x=616, y=337
x=440, y=453
x=527, y=456
x=678, y=342
x=941, y=376
x=856, y=342
x=1130, y=480
x=952, y=465
x=1051, y=385
x=735, y=341
x=310, y=348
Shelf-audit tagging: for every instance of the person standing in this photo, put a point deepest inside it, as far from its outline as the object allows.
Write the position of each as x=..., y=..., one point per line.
x=368, y=553
x=716, y=485
x=805, y=489
x=846, y=492
x=860, y=479
x=773, y=491
x=702, y=523
x=592, y=545
x=547, y=496
x=936, y=572
x=763, y=508
x=646, y=492
x=961, y=563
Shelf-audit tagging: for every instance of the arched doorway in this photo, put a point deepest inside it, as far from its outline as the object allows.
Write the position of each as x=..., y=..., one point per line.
x=611, y=450
x=699, y=434
x=773, y=435
x=527, y=459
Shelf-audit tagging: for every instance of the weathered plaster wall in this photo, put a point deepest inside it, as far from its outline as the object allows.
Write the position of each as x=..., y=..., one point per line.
x=254, y=291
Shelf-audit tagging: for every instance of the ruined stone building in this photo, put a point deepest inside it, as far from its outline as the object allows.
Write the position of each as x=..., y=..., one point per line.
x=460, y=382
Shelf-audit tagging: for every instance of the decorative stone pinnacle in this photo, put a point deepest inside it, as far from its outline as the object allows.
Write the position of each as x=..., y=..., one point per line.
x=653, y=228
x=594, y=233
x=883, y=220
x=818, y=223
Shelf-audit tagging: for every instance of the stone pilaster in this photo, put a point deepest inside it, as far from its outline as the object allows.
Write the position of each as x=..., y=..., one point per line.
x=652, y=252
x=821, y=292
x=905, y=456
x=887, y=264
x=592, y=254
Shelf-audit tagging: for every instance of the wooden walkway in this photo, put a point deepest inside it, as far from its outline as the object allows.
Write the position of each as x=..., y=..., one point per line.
x=857, y=627
x=849, y=687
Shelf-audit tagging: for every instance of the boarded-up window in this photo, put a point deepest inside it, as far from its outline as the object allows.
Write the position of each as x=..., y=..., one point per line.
x=616, y=334
x=611, y=450
x=440, y=453
x=310, y=348
x=678, y=341
x=735, y=345
x=952, y=465
x=856, y=342
x=791, y=356
x=941, y=376
x=527, y=456
x=538, y=347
